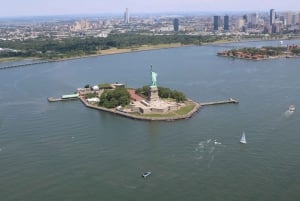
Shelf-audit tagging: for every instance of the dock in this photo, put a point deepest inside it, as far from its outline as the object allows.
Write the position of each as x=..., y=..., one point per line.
x=54, y=99
x=23, y=65
x=64, y=98
x=230, y=100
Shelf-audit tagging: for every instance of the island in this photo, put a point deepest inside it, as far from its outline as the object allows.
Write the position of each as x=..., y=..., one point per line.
x=150, y=102
x=266, y=52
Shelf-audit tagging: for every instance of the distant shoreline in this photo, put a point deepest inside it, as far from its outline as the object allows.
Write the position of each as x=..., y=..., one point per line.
x=263, y=53
x=113, y=51
x=110, y=51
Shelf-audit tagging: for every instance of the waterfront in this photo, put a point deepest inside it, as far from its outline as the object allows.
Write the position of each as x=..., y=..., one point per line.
x=65, y=151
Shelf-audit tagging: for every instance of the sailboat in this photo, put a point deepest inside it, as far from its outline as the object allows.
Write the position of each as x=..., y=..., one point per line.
x=243, y=139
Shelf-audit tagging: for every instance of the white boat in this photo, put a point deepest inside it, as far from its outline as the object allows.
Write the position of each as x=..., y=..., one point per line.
x=292, y=108
x=243, y=139
x=146, y=174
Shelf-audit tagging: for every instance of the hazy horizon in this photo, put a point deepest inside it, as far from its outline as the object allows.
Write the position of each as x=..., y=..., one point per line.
x=15, y=8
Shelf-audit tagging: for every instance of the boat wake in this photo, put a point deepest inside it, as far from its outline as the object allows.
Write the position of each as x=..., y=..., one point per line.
x=217, y=143
x=205, y=150
x=288, y=113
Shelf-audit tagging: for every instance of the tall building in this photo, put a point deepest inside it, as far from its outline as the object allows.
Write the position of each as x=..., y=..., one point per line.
x=226, y=23
x=239, y=23
x=253, y=20
x=126, y=16
x=176, y=25
x=289, y=16
x=272, y=16
x=216, y=22
x=82, y=25
x=245, y=18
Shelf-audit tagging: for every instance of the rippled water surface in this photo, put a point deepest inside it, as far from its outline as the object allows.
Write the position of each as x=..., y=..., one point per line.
x=64, y=151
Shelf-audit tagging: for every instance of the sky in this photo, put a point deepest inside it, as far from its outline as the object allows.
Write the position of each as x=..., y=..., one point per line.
x=10, y=8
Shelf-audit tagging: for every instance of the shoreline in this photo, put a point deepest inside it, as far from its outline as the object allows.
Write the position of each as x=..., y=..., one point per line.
x=110, y=51
x=144, y=118
x=262, y=53
x=261, y=59
x=113, y=51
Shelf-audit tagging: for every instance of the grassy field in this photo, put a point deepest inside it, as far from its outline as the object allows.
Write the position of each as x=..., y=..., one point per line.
x=186, y=109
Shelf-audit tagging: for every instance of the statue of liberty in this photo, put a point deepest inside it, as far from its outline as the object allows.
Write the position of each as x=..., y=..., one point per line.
x=153, y=78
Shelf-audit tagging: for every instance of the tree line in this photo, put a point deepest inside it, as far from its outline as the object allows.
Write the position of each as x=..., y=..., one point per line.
x=162, y=93
x=49, y=48
x=267, y=50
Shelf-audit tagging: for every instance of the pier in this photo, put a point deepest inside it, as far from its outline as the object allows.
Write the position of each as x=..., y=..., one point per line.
x=54, y=99
x=23, y=65
x=230, y=100
x=64, y=98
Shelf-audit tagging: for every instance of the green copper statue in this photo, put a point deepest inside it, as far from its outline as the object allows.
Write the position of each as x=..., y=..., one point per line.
x=153, y=78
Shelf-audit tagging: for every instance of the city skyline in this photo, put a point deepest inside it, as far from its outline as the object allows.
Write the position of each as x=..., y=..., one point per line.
x=69, y=7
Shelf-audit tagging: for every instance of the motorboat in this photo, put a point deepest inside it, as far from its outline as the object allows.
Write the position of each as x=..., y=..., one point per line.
x=292, y=108
x=146, y=174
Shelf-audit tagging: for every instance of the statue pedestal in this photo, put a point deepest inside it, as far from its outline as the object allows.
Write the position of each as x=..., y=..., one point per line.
x=153, y=95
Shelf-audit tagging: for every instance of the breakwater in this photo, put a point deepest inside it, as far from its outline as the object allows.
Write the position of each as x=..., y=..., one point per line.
x=23, y=65
x=230, y=100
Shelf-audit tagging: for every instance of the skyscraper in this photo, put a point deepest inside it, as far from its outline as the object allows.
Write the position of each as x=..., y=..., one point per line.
x=216, y=23
x=176, y=25
x=126, y=16
x=253, y=20
x=226, y=23
x=272, y=16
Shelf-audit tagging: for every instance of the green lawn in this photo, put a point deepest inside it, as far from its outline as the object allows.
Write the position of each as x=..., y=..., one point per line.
x=182, y=111
x=186, y=109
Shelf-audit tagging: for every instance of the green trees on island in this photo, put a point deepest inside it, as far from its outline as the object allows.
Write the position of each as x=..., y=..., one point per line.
x=163, y=93
x=114, y=98
x=120, y=96
x=105, y=86
x=144, y=91
x=174, y=94
x=296, y=50
x=266, y=51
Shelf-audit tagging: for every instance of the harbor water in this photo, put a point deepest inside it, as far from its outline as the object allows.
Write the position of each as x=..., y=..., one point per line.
x=65, y=151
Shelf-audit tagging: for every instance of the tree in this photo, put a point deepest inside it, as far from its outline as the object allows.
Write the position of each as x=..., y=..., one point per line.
x=163, y=93
x=114, y=98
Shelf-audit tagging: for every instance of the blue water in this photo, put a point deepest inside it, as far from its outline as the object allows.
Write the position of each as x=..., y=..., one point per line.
x=65, y=151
